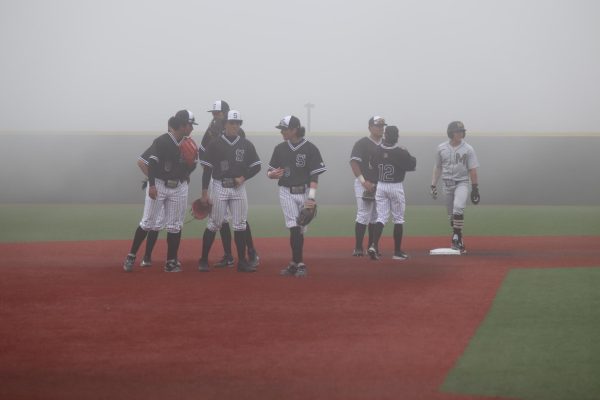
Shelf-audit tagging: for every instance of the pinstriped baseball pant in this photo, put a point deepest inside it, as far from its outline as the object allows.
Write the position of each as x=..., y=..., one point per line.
x=234, y=199
x=291, y=204
x=168, y=209
x=390, y=199
x=366, y=211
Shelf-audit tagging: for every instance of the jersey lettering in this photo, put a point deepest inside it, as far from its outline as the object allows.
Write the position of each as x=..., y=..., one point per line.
x=461, y=159
x=300, y=160
x=224, y=165
x=239, y=155
x=386, y=172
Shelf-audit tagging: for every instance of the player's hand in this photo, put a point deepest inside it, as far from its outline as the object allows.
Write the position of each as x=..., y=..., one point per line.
x=276, y=173
x=152, y=192
x=433, y=192
x=239, y=181
x=370, y=186
x=205, y=200
x=475, y=193
x=310, y=203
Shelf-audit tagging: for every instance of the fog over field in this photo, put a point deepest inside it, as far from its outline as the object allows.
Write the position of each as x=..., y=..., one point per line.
x=127, y=65
x=102, y=169
x=502, y=67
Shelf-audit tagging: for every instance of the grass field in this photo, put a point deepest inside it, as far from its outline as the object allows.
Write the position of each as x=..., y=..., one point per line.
x=35, y=222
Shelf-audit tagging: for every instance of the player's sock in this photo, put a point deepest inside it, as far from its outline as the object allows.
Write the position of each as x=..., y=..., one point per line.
x=138, y=239
x=398, y=232
x=296, y=243
x=173, y=240
x=240, y=244
x=249, y=241
x=458, y=223
x=377, y=231
x=226, y=238
x=150, y=242
x=207, y=240
x=359, y=233
x=370, y=234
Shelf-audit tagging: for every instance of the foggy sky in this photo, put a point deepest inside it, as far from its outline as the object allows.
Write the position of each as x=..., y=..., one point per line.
x=510, y=65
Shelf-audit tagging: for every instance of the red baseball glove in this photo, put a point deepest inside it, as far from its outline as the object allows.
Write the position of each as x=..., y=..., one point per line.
x=189, y=151
x=200, y=210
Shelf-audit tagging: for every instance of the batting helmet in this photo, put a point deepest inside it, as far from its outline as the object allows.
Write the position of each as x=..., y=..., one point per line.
x=456, y=126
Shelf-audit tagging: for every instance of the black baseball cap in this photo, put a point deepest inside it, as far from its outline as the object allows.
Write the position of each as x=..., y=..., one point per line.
x=220, y=105
x=187, y=116
x=377, y=120
x=456, y=126
x=288, y=122
x=390, y=135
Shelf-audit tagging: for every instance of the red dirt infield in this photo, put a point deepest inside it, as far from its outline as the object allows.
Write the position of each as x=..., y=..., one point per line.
x=75, y=326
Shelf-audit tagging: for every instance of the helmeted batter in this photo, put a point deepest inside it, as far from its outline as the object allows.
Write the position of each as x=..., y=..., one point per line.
x=297, y=164
x=215, y=128
x=230, y=160
x=392, y=163
x=456, y=163
x=365, y=182
x=167, y=191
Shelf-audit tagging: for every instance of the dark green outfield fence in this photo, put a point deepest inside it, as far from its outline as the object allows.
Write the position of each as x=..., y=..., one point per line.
x=101, y=168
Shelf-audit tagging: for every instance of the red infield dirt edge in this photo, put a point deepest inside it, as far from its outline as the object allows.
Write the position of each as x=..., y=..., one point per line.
x=75, y=326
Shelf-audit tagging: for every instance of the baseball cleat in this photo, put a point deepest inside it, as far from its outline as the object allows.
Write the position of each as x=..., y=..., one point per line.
x=290, y=270
x=244, y=266
x=129, y=262
x=373, y=253
x=253, y=258
x=146, y=262
x=203, y=265
x=358, y=253
x=301, y=271
x=226, y=261
x=400, y=255
x=172, y=266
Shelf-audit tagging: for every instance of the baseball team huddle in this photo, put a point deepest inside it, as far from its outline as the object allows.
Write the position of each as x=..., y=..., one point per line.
x=228, y=159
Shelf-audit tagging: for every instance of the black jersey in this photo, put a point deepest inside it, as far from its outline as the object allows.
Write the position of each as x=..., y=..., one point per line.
x=392, y=163
x=300, y=161
x=362, y=152
x=230, y=158
x=165, y=161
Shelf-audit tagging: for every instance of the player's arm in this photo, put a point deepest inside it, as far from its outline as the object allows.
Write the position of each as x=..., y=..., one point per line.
x=473, y=176
x=358, y=173
x=143, y=165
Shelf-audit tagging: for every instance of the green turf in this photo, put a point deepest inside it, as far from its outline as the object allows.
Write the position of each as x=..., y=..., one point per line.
x=35, y=222
x=541, y=339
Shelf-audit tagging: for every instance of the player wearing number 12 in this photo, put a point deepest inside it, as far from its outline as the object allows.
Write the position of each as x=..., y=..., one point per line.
x=391, y=162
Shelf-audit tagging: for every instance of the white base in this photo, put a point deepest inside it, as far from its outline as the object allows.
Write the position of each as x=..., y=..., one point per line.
x=445, y=251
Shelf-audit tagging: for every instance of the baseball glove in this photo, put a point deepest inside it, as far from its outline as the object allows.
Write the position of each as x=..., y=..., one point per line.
x=200, y=210
x=189, y=151
x=307, y=214
x=369, y=195
x=475, y=198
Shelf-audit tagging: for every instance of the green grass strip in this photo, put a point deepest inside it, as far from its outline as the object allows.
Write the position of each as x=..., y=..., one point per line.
x=43, y=222
x=539, y=341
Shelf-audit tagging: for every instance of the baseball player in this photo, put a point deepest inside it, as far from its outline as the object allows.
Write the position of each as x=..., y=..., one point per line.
x=456, y=162
x=392, y=163
x=143, y=162
x=296, y=164
x=167, y=191
x=365, y=182
x=215, y=128
x=231, y=160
